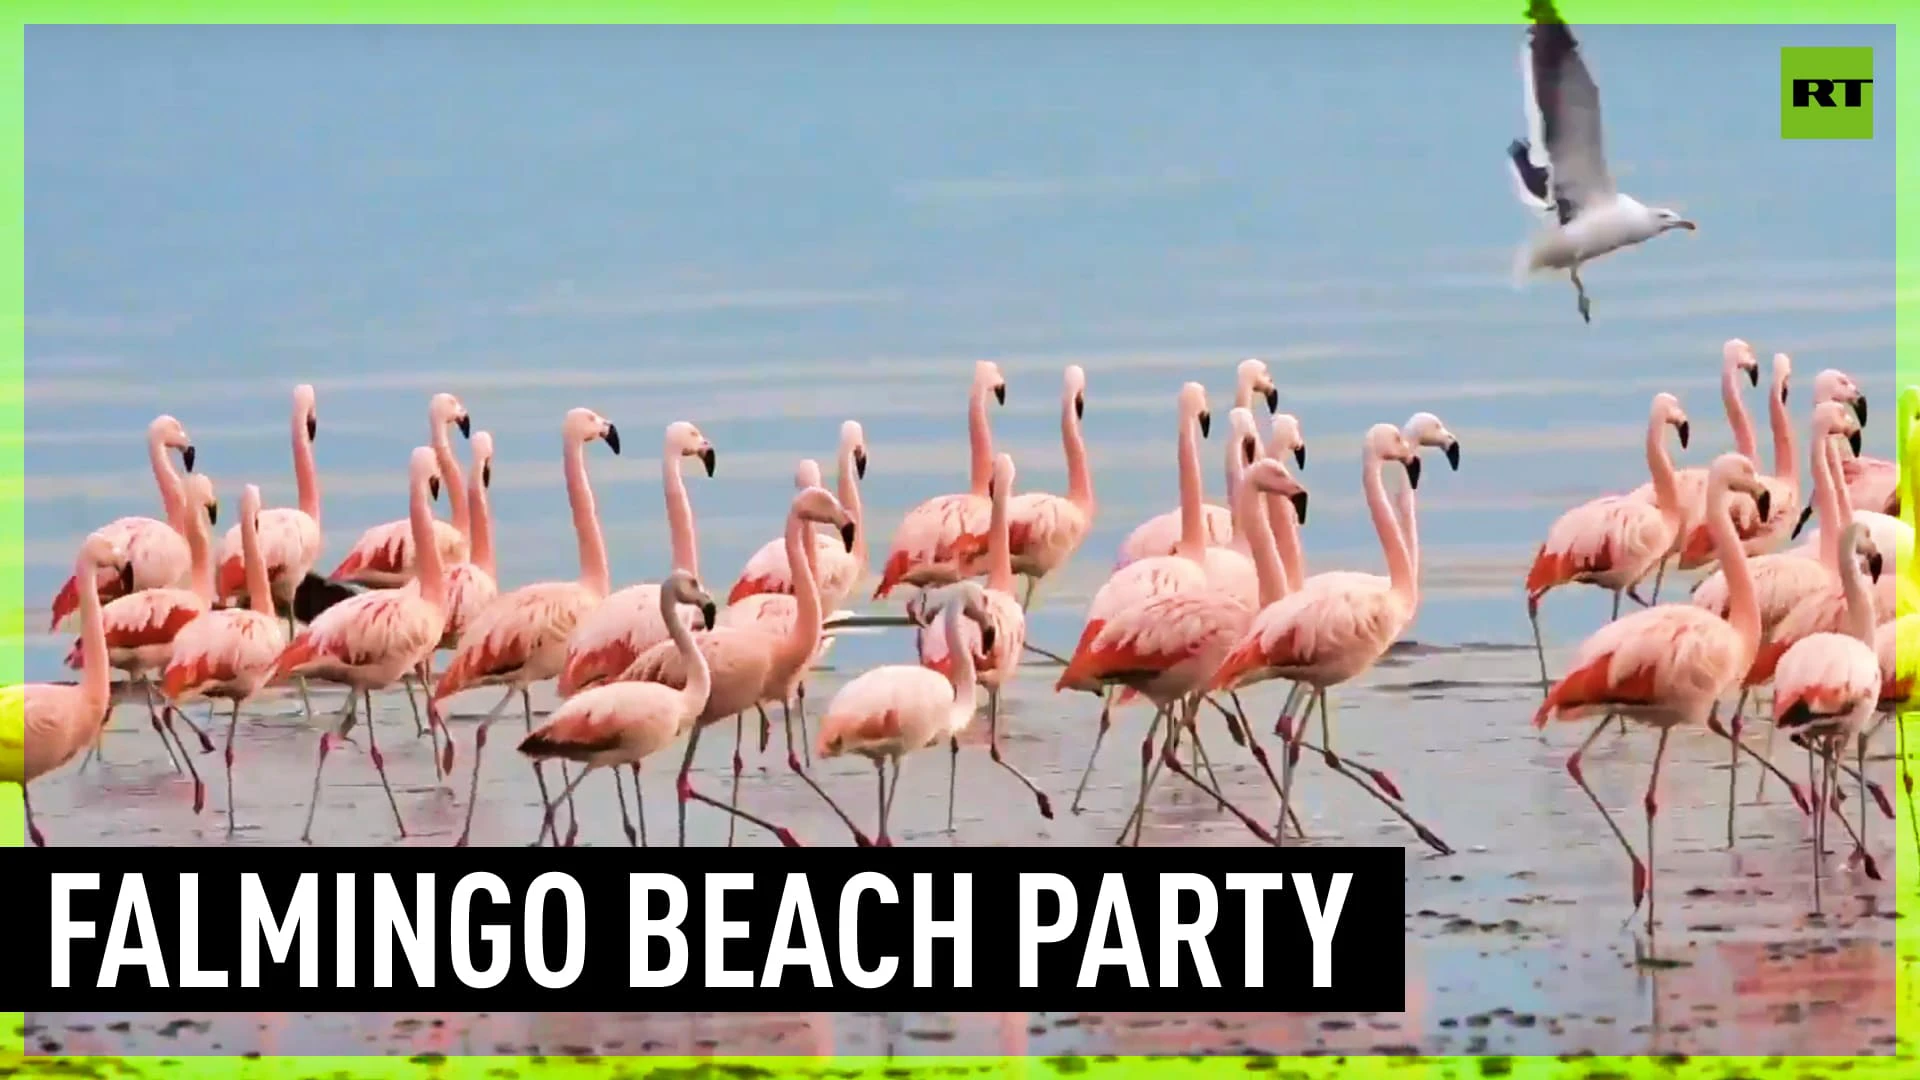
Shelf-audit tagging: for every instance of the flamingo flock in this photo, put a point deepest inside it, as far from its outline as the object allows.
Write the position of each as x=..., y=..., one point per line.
x=1202, y=603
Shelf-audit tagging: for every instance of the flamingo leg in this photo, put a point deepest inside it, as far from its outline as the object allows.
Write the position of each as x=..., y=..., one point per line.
x=326, y=743
x=432, y=732
x=479, y=746
x=1794, y=789
x=443, y=758
x=1386, y=794
x=1236, y=720
x=880, y=803
x=1260, y=757
x=1573, y=770
x=1291, y=731
x=380, y=765
x=1658, y=577
x=1860, y=760
x=1870, y=787
x=406, y=685
x=199, y=786
x=33, y=831
x=626, y=820
x=1653, y=808
x=1539, y=648
x=766, y=728
x=1616, y=618
x=993, y=742
x=573, y=815
x=1026, y=601
x=1106, y=721
x=1819, y=823
x=953, y=775
x=793, y=763
x=800, y=708
x=1137, y=821
x=684, y=784
x=233, y=723
x=1172, y=761
x=206, y=744
x=1045, y=655
x=733, y=797
x=546, y=820
x=1733, y=755
x=153, y=717
x=1200, y=761
x=886, y=809
x=639, y=805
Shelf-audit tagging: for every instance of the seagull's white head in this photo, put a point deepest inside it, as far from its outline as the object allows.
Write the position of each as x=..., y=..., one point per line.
x=1668, y=220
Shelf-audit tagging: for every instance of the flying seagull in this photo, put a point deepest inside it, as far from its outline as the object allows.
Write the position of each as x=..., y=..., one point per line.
x=1560, y=168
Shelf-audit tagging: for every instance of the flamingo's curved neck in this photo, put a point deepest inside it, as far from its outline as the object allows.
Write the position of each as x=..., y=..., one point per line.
x=306, y=476
x=1853, y=586
x=93, y=641
x=427, y=567
x=999, y=543
x=1193, y=535
x=1252, y=515
x=480, y=540
x=1399, y=566
x=1786, y=465
x=673, y=478
x=1236, y=468
x=1666, y=492
x=1744, y=440
x=803, y=640
x=1079, y=476
x=699, y=676
x=1743, y=611
x=1404, y=509
x=1826, y=500
x=258, y=597
x=961, y=673
x=452, y=479
x=586, y=522
x=200, y=551
x=1840, y=492
x=1284, y=527
x=173, y=494
x=979, y=442
x=849, y=492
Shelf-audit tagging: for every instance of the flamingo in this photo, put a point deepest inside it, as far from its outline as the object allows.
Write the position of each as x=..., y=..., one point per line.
x=939, y=541
x=1890, y=528
x=759, y=649
x=1168, y=647
x=369, y=642
x=1736, y=356
x=1896, y=646
x=1614, y=541
x=623, y=723
x=1284, y=437
x=1669, y=664
x=227, y=653
x=995, y=667
x=1044, y=530
x=1160, y=534
x=889, y=712
x=290, y=537
x=839, y=570
x=141, y=626
x=383, y=557
x=156, y=550
x=1339, y=623
x=1697, y=546
x=612, y=635
x=43, y=725
x=521, y=638
x=1826, y=688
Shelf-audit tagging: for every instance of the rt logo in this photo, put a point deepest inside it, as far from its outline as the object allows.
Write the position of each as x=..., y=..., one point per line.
x=1826, y=93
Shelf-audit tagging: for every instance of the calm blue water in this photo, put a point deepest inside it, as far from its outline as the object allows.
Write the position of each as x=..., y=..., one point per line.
x=768, y=230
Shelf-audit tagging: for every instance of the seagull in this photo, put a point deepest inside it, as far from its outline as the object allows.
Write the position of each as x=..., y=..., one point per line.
x=1560, y=170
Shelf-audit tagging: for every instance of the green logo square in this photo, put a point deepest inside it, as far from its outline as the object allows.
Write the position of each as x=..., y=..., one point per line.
x=1826, y=93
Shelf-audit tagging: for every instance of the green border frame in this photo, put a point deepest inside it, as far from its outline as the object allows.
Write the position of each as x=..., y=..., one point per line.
x=1906, y=129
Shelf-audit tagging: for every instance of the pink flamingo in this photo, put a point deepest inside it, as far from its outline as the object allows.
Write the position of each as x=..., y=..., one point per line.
x=1160, y=534
x=1044, y=530
x=1891, y=640
x=521, y=638
x=1615, y=541
x=1339, y=623
x=156, y=550
x=994, y=667
x=383, y=557
x=611, y=636
x=1736, y=356
x=1887, y=526
x=57, y=720
x=623, y=723
x=226, y=654
x=839, y=570
x=1669, y=664
x=370, y=641
x=1757, y=539
x=1192, y=566
x=1168, y=647
x=889, y=712
x=470, y=583
x=1826, y=689
x=290, y=537
x=141, y=626
x=939, y=541
x=759, y=651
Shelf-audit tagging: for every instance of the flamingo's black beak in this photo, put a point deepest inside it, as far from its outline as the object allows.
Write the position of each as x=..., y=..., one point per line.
x=1753, y=375
x=1251, y=449
x=1000, y=393
x=612, y=438
x=313, y=427
x=126, y=578
x=1273, y=401
x=860, y=463
x=1685, y=429
x=846, y=533
x=1874, y=565
x=1764, y=501
x=1860, y=408
x=1413, y=472
x=1300, y=455
x=708, y=458
x=213, y=512
x=1079, y=406
x=433, y=488
x=1854, y=441
x=465, y=424
x=986, y=638
x=1805, y=516
x=1206, y=423
x=1300, y=506
x=486, y=475
x=1453, y=456
x=708, y=612
x=186, y=457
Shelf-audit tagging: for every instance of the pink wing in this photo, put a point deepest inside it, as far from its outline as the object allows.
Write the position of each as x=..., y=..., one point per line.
x=289, y=545
x=885, y=704
x=1009, y=641
x=223, y=647
x=1826, y=674
x=613, y=635
x=1158, y=535
x=1143, y=578
x=943, y=534
x=1872, y=483
x=1043, y=531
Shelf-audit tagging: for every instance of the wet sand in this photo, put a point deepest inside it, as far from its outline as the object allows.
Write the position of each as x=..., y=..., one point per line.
x=1516, y=942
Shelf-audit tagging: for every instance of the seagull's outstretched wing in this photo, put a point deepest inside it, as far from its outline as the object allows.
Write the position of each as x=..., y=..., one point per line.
x=1567, y=105
x=1530, y=180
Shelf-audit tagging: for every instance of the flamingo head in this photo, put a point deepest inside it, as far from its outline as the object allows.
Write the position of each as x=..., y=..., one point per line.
x=423, y=469
x=807, y=475
x=1833, y=418
x=685, y=441
x=1076, y=390
x=1858, y=539
x=1387, y=443
x=853, y=441
x=1254, y=378
x=988, y=380
x=1782, y=372
x=1425, y=429
x=1193, y=407
x=303, y=410
x=1667, y=410
x=481, y=445
x=1000, y=484
x=250, y=507
x=1736, y=355
x=584, y=425
x=1246, y=435
x=1285, y=437
x=171, y=434
x=101, y=552
x=1836, y=385
x=818, y=505
x=681, y=587
x=1269, y=476
x=446, y=409
x=1736, y=473
x=200, y=493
